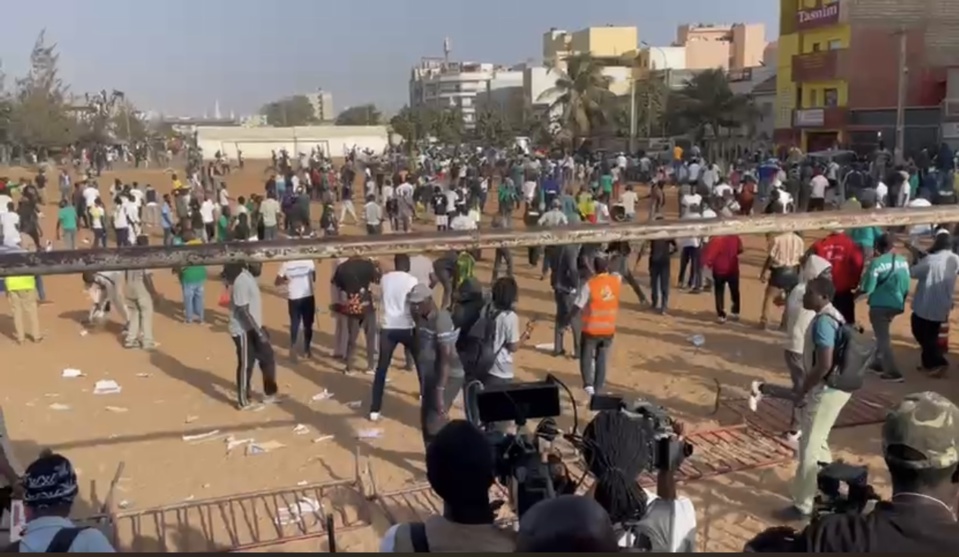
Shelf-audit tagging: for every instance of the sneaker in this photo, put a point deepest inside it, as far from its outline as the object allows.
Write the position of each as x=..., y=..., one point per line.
x=892, y=377
x=590, y=391
x=755, y=395
x=721, y=319
x=273, y=399
x=734, y=317
x=792, y=439
x=374, y=416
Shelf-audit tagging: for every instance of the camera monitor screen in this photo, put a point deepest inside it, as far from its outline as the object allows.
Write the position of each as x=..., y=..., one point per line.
x=518, y=401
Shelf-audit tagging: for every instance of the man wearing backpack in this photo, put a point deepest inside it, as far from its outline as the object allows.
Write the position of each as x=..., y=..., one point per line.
x=886, y=282
x=821, y=402
x=50, y=487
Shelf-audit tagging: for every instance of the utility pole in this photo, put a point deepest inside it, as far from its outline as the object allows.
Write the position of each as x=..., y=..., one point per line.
x=632, y=114
x=901, y=98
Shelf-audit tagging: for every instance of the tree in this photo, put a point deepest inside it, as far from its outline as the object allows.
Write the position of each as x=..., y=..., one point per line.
x=652, y=98
x=40, y=116
x=446, y=125
x=362, y=115
x=492, y=129
x=580, y=96
x=412, y=124
x=706, y=103
x=127, y=124
x=291, y=111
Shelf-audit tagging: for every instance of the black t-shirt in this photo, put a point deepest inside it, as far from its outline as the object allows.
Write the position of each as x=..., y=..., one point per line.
x=445, y=264
x=439, y=204
x=41, y=181
x=354, y=275
x=916, y=526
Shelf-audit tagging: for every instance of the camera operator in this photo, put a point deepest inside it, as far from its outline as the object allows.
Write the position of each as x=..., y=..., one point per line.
x=920, y=443
x=566, y=524
x=460, y=469
x=616, y=450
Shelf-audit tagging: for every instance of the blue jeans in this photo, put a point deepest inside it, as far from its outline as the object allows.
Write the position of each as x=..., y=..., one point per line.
x=389, y=340
x=193, y=302
x=167, y=237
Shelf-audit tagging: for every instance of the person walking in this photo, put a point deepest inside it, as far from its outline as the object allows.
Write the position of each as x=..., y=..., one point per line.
x=249, y=337
x=660, y=253
x=298, y=277
x=598, y=300
x=192, y=281
x=935, y=276
x=565, y=280
x=722, y=257
x=886, y=284
x=67, y=224
x=353, y=279
x=22, y=294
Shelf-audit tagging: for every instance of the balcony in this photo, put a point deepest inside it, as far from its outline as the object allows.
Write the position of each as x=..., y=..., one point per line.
x=823, y=118
x=824, y=65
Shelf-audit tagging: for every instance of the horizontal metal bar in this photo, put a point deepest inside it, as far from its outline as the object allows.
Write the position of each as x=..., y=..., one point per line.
x=159, y=257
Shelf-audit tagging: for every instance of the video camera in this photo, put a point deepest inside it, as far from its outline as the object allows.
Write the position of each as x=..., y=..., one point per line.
x=665, y=450
x=520, y=465
x=832, y=499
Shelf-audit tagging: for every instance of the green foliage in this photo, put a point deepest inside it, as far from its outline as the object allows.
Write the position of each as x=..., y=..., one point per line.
x=706, y=103
x=419, y=124
x=362, y=115
x=492, y=129
x=291, y=111
x=40, y=117
x=582, y=96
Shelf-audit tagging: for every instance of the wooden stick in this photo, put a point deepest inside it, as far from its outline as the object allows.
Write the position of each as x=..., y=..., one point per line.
x=160, y=257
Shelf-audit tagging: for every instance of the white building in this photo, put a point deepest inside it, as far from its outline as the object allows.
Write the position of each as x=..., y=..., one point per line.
x=438, y=84
x=667, y=57
x=322, y=103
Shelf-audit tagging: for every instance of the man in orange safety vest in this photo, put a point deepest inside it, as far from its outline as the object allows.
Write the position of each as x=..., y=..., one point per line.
x=598, y=300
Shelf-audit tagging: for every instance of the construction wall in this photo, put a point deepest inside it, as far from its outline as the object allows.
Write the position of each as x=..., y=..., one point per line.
x=259, y=143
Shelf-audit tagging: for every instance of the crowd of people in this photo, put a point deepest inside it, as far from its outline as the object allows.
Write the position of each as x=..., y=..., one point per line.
x=469, y=337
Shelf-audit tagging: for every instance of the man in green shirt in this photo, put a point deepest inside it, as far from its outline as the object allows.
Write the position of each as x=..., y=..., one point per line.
x=192, y=280
x=223, y=225
x=886, y=282
x=67, y=224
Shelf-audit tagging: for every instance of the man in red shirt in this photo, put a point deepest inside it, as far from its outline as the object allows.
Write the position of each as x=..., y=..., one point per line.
x=722, y=256
x=847, y=261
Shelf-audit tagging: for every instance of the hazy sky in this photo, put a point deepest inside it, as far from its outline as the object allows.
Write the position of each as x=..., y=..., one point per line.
x=179, y=56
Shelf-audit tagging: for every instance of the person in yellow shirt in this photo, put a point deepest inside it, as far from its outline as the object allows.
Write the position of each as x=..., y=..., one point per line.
x=22, y=293
x=677, y=159
x=177, y=184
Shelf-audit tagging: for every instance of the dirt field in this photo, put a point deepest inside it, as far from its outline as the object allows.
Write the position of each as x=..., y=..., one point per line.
x=186, y=388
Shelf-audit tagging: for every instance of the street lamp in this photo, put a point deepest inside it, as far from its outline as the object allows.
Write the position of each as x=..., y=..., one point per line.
x=649, y=98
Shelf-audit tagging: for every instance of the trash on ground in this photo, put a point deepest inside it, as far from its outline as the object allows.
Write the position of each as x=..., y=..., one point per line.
x=369, y=434
x=302, y=483
x=697, y=340
x=123, y=504
x=144, y=375
x=325, y=395
x=354, y=404
x=301, y=429
x=322, y=438
x=191, y=419
x=106, y=387
x=295, y=513
x=70, y=373
x=116, y=409
x=84, y=332
x=546, y=347
x=58, y=406
x=232, y=443
x=262, y=448
x=201, y=436
x=189, y=498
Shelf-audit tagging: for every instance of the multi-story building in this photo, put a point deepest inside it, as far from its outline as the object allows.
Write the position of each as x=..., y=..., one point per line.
x=839, y=70
x=322, y=103
x=735, y=46
x=440, y=84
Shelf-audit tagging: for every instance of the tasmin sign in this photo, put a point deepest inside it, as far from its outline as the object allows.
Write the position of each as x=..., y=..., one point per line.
x=826, y=13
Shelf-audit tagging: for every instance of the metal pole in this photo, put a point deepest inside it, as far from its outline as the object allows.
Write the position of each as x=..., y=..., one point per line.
x=901, y=99
x=160, y=257
x=632, y=114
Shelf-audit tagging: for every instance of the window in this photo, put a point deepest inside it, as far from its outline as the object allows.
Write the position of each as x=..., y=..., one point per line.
x=835, y=44
x=830, y=97
x=813, y=98
x=816, y=47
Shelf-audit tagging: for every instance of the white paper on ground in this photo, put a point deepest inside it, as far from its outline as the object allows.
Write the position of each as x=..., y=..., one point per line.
x=369, y=434
x=354, y=404
x=58, y=406
x=201, y=436
x=106, y=387
x=232, y=443
x=546, y=347
x=697, y=340
x=301, y=429
x=116, y=409
x=70, y=373
x=302, y=509
x=322, y=438
x=325, y=395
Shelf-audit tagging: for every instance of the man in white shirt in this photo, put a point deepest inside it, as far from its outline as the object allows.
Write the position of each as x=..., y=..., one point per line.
x=628, y=199
x=10, y=227
x=396, y=325
x=689, y=255
x=405, y=189
x=5, y=202
x=882, y=192
x=207, y=212
x=817, y=192
x=298, y=277
x=688, y=201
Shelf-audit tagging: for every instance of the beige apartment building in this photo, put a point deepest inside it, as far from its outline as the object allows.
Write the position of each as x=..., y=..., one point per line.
x=731, y=47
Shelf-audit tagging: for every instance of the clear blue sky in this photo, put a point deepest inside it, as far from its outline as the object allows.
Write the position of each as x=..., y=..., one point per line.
x=179, y=56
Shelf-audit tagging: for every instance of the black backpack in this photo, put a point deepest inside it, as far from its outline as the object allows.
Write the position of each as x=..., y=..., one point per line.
x=475, y=344
x=61, y=542
x=853, y=355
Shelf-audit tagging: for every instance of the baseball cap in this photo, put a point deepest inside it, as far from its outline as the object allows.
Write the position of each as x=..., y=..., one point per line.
x=420, y=293
x=927, y=423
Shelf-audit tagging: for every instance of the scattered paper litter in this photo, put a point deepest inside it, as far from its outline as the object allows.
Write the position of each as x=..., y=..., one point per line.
x=84, y=332
x=58, y=406
x=191, y=419
x=70, y=373
x=369, y=434
x=295, y=513
x=52, y=395
x=262, y=448
x=302, y=483
x=117, y=409
x=546, y=347
x=301, y=429
x=322, y=438
x=232, y=443
x=189, y=498
x=123, y=504
x=201, y=436
x=325, y=395
x=106, y=387
x=144, y=375
x=354, y=404
x=697, y=340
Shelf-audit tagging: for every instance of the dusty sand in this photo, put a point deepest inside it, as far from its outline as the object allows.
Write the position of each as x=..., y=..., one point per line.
x=186, y=387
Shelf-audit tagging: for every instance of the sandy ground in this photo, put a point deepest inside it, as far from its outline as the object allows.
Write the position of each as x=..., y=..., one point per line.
x=186, y=387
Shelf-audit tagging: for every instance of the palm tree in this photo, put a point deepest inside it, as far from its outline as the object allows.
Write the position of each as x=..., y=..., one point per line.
x=580, y=96
x=706, y=103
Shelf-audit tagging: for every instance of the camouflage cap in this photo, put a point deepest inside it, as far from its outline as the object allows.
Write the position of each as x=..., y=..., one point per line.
x=927, y=423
